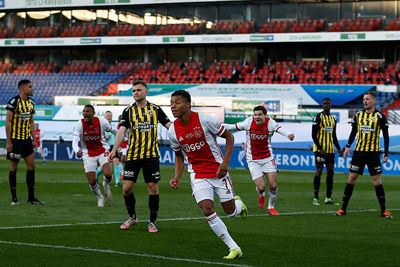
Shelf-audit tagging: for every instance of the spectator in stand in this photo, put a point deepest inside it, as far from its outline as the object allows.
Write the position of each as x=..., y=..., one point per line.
x=289, y=70
x=342, y=70
x=379, y=78
x=221, y=79
x=184, y=71
x=271, y=69
x=388, y=81
x=218, y=70
x=293, y=78
x=169, y=78
x=310, y=79
x=327, y=77
x=235, y=75
x=153, y=78
x=268, y=62
x=368, y=78
x=345, y=78
x=239, y=79
x=202, y=70
x=364, y=69
x=276, y=78
x=253, y=70
x=165, y=69
x=257, y=79
x=379, y=69
x=201, y=78
x=307, y=69
x=183, y=65
x=188, y=78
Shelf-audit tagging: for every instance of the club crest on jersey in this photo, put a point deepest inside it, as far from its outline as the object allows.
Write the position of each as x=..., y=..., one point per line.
x=197, y=132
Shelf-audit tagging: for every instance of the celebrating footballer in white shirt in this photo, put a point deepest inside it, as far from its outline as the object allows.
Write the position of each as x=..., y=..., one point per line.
x=89, y=132
x=192, y=135
x=259, y=156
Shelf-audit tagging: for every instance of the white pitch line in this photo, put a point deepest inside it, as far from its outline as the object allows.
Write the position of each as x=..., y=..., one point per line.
x=180, y=219
x=123, y=253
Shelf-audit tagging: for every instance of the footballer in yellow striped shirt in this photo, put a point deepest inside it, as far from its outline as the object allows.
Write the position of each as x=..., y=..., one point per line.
x=325, y=141
x=21, y=140
x=367, y=125
x=141, y=118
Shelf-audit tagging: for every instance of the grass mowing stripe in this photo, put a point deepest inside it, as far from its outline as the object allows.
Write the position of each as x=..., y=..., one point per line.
x=122, y=253
x=179, y=219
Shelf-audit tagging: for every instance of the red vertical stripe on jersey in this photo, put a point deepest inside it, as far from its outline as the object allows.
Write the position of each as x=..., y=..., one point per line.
x=92, y=137
x=259, y=140
x=193, y=142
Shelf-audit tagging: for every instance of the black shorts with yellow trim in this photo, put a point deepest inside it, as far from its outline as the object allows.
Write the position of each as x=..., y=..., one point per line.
x=21, y=149
x=150, y=166
x=371, y=159
x=319, y=159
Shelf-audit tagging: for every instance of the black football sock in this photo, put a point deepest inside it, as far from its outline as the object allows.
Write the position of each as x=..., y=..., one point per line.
x=30, y=182
x=380, y=194
x=348, y=191
x=154, y=201
x=12, y=178
x=130, y=203
x=329, y=185
x=317, y=182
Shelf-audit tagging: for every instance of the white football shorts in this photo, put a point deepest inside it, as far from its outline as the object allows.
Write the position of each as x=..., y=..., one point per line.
x=90, y=163
x=260, y=166
x=123, y=151
x=205, y=188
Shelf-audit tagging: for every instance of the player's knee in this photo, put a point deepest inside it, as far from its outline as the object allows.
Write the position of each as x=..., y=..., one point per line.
x=261, y=188
x=126, y=191
x=208, y=211
x=31, y=166
x=273, y=188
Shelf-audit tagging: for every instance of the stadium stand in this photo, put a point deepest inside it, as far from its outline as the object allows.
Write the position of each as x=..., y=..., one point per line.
x=48, y=85
x=221, y=27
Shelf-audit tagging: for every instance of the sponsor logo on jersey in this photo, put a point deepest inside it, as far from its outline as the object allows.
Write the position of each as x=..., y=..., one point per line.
x=181, y=139
x=258, y=136
x=193, y=147
x=91, y=138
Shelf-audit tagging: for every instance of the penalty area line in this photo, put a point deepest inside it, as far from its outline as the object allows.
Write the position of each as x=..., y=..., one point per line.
x=122, y=253
x=182, y=219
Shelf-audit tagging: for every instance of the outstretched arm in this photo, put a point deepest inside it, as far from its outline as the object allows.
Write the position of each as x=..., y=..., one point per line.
x=286, y=133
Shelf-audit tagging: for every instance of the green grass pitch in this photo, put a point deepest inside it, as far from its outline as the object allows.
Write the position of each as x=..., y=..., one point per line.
x=71, y=231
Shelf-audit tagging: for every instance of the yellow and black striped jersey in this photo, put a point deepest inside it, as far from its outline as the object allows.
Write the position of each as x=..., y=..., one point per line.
x=142, y=124
x=324, y=133
x=22, y=111
x=368, y=126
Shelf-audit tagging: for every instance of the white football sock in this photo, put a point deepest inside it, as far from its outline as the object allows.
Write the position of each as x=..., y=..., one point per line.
x=219, y=228
x=272, y=198
x=238, y=204
x=96, y=190
x=121, y=168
